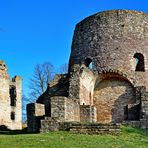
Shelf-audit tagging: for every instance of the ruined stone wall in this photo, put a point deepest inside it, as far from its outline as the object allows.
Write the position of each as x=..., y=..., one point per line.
x=111, y=97
x=17, y=110
x=5, y=109
x=72, y=110
x=87, y=82
x=88, y=114
x=82, y=81
x=142, y=97
x=144, y=103
x=111, y=39
x=10, y=100
x=65, y=109
x=35, y=113
x=74, y=82
x=59, y=86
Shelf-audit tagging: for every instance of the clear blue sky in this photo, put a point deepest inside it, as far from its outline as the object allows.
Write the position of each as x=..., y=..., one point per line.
x=36, y=31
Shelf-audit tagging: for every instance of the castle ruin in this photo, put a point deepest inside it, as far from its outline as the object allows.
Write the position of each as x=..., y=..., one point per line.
x=10, y=100
x=107, y=80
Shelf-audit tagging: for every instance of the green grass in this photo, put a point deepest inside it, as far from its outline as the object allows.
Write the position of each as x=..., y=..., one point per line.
x=130, y=138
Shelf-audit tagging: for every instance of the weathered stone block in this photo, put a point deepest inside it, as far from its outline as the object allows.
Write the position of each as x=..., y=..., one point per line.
x=35, y=113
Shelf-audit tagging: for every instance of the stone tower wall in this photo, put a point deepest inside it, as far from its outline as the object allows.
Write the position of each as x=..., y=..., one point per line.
x=111, y=39
x=116, y=44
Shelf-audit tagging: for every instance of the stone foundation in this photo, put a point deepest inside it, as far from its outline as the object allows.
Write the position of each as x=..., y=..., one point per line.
x=50, y=124
x=100, y=129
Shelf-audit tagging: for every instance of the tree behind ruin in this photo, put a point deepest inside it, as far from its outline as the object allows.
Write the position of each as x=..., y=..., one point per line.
x=42, y=75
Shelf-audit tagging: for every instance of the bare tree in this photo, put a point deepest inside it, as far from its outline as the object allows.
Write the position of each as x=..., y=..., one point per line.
x=43, y=74
x=63, y=69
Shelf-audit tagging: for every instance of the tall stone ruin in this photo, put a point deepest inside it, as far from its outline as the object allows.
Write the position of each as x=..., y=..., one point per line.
x=10, y=100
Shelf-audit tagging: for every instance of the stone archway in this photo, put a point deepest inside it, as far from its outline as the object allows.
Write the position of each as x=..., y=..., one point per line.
x=111, y=98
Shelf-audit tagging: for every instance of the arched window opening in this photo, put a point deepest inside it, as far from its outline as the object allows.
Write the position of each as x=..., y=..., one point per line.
x=12, y=92
x=139, y=62
x=88, y=63
x=12, y=115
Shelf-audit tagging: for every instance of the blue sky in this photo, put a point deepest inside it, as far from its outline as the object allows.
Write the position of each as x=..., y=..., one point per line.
x=37, y=31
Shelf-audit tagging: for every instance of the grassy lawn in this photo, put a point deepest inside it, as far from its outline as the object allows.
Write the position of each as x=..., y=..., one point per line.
x=130, y=138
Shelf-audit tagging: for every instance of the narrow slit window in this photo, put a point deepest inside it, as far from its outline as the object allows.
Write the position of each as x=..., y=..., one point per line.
x=139, y=62
x=12, y=92
x=12, y=116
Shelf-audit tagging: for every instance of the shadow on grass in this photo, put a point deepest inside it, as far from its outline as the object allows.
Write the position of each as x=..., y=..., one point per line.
x=15, y=132
x=128, y=130
x=125, y=130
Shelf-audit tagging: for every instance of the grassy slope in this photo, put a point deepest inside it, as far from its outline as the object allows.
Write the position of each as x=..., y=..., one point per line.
x=130, y=138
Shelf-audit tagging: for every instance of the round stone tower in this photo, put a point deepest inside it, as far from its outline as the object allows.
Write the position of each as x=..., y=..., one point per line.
x=115, y=44
x=114, y=39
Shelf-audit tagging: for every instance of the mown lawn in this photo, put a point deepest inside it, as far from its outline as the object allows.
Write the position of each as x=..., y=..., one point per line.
x=130, y=138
